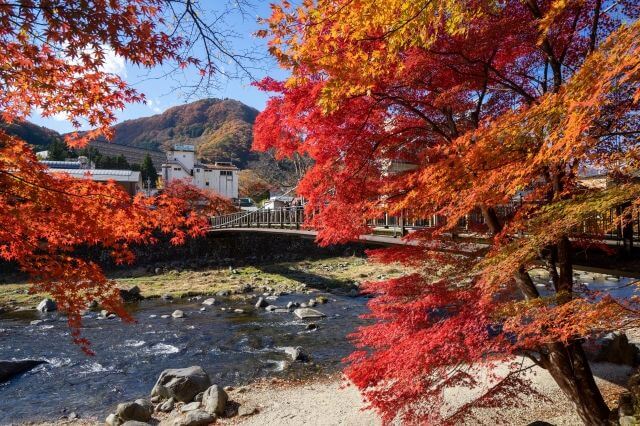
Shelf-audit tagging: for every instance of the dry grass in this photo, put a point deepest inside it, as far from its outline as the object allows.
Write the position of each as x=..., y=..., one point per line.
x=337, y=273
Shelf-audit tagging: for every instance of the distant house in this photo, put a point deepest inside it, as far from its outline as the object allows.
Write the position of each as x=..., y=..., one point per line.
x=218, y=177
x=278, y=202
x=81, y=168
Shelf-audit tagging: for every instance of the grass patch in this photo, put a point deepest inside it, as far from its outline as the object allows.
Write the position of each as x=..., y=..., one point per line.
x=326, y=274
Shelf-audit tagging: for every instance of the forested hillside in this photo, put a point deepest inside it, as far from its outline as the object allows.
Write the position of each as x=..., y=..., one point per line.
x=220, y=129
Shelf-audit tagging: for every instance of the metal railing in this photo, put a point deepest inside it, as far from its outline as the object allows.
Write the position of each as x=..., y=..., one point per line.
x=285, y=217
x=599, y=226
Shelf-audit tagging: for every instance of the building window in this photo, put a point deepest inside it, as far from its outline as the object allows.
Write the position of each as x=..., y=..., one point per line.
x=176, y=169
x=206, y=183
x=198, y=170
x=226, y=173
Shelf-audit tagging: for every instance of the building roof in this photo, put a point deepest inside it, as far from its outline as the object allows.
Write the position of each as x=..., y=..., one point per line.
x=188, y=148
x=102, y=175
x=217, y=166
x=61, y=164
x=284, y=198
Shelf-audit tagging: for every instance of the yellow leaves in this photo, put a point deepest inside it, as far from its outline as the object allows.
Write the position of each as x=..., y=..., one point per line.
x=356, y=42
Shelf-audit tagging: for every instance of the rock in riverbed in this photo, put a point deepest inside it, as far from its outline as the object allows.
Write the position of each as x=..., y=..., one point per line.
x=47, y=305
x=209, y=302
x=182, y=384
x=167, y=406
x=192, y=418
x=307, y=313
x=130, y=294
x=215, y=400
x=139, y=410
x=247, y=410
x=177, y=314
x=296, y=354
x=261, y=303
x=322, y=299
x=615, y=348
x=10, y=369
x=113, y=420
x=190, y=406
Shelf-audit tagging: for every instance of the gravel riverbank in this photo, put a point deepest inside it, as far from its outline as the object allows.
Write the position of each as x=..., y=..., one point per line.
x=329, y=402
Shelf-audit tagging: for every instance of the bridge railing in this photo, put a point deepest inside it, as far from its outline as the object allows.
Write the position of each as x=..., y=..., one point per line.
x=286, y=217
x=598, y=226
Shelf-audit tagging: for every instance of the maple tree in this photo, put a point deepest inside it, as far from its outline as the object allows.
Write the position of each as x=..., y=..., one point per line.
x=52, y=62
x=497, y=109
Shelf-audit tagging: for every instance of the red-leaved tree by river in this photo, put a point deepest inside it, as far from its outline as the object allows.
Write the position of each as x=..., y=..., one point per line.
x=458, y=108
x=53, y=61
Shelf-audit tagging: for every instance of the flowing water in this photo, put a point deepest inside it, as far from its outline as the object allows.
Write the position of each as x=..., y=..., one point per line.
x=234, y=348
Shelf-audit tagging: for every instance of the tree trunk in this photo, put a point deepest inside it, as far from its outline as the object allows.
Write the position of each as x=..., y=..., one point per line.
x=566, y=362
x=491, y=219
x=526, y=285
x=625, y=229
x=569, y=367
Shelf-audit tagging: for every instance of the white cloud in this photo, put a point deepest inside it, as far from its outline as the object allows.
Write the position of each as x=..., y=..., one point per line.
x=113, y=63
x=61, y=116
x=154, y=105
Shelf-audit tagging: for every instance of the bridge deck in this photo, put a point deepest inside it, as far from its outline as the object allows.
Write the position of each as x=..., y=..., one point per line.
x=373, y=239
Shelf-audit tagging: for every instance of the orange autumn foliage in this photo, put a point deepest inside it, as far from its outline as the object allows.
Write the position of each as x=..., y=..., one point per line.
x=52, y=61
x=498, y=109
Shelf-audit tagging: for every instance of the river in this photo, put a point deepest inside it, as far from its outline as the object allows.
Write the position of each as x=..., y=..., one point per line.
x=234, y=348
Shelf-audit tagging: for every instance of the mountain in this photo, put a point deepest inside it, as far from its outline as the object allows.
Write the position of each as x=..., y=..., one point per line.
x=38, y=136
x=221, y=130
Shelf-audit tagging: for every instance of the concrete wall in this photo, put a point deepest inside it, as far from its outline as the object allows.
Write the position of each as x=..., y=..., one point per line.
x=233, y=249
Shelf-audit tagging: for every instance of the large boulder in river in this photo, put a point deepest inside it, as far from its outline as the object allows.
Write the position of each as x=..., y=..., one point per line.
x=47, y=305
x=615, y=348
x=139, y=410
x=10, y=369
x=130, y=294
x=182, y=384
x=307, y=313
x=215, y=400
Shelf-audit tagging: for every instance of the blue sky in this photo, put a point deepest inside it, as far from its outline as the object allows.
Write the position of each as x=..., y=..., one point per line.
x=164, y=92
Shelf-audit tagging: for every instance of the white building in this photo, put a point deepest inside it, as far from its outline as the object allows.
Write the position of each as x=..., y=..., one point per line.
x=182, y=164
x=278, y=202
x=82, y=168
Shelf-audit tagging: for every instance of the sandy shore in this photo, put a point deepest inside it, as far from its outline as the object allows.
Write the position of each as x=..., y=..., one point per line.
x=327, y=402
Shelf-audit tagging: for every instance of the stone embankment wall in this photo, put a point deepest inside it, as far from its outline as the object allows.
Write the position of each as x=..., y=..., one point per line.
x=224, y=248
x=231, y=248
